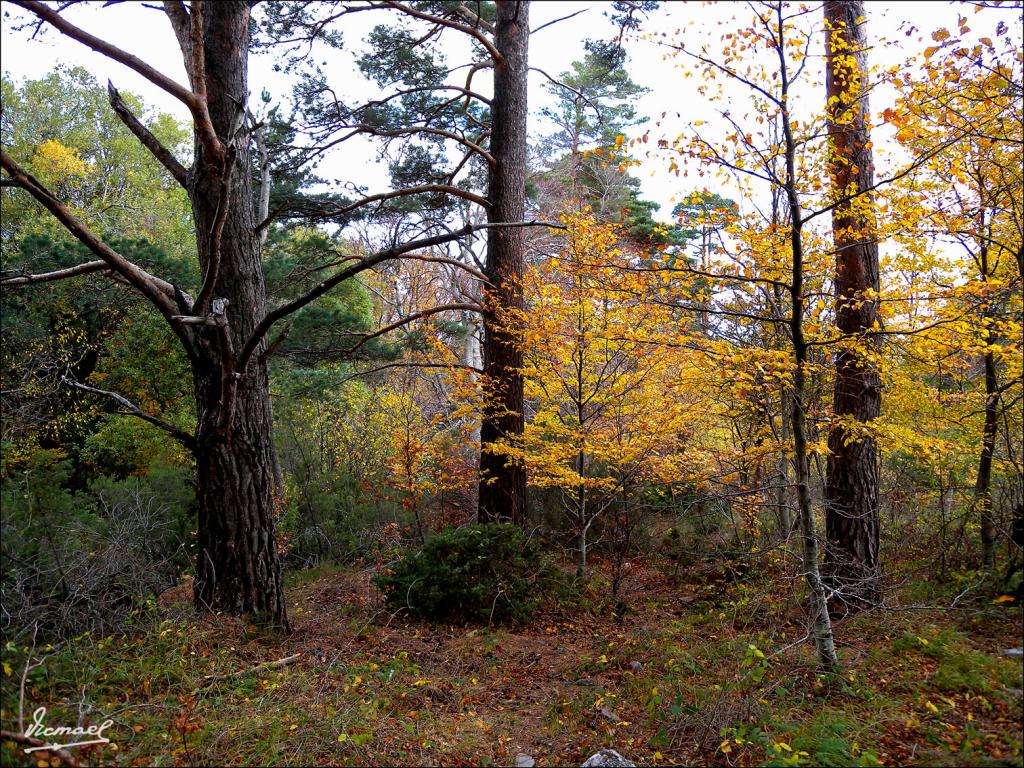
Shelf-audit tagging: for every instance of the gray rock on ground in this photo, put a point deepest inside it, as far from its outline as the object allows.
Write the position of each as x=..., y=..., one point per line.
x=607, y=758
x=1014, y=653
x=523, y=760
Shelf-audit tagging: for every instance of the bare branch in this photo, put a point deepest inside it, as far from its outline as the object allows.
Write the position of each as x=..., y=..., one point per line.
x=378, y=369
x=474, y=33
x=277, y=341
x=432, y=131
x=473, y=69
x=66, y=757
x=159, y=292
x=180, y=435
x=177, y=14
x=380, y=197
x=729, y=72
x=428, y=89
x=413, y=318
x=362, y=265
x=256, y=337
x=156, y=77
x=453, y=262
x=197, y=106
x=258, y=669
x=263, y=199
x=198, y=61
x=149, y=141
x=473, y=19
x=458, y=167
x=556, y=21
x=578, y=93
x=60, y=274
x=220, y=217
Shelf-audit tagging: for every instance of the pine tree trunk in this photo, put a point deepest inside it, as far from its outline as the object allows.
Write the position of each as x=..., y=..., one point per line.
x=502, y=480
x=852, y=566
x=237, y=567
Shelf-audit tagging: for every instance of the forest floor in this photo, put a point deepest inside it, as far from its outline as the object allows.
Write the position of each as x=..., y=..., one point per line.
x=697, y=672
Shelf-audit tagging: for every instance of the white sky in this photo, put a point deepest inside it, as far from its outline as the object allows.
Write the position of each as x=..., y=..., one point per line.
x=146, y=33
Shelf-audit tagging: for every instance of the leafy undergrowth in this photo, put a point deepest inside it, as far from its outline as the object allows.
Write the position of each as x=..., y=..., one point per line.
x=711, y=670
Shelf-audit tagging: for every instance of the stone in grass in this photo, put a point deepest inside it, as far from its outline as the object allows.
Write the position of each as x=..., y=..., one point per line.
x=1014, y=653
x=523, y=760
x=607, y=758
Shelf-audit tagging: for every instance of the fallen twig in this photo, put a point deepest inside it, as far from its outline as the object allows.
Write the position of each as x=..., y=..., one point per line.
x=66, y=757
x=258, y=668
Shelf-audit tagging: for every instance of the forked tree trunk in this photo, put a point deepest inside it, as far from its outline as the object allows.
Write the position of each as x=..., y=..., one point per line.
x=852, y=567
x=237, y=567
x=503, y=480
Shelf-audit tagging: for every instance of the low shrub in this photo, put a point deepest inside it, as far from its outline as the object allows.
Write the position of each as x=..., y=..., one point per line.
x=486, y=572
x=81, y=561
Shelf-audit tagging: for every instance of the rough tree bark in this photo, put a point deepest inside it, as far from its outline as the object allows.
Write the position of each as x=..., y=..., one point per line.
x=224, y=329
x=852, y=567
x=237, y=568
x=502, y=480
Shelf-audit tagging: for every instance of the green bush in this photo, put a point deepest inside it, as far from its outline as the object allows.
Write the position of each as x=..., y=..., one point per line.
x=486, y=572
x=329, y=518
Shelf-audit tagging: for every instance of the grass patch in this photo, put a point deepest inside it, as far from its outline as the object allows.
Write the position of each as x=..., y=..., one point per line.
x=666, y=685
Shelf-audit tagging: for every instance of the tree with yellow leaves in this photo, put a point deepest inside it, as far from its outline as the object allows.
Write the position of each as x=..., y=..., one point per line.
x=961, y=119
x=769, y=145
x=605, y=383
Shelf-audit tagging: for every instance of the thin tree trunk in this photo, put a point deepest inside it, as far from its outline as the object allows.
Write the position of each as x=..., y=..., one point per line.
x=582, y=509
x=782, y=494
x=581, y=551
x=821, y=623
x=852, y=567
x=945, y=502
x=983, y=483
x=278, y=477
x=472, y=356
x=237, y=567
x=502, y=479
x=982, y=505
